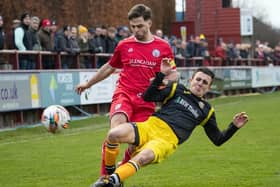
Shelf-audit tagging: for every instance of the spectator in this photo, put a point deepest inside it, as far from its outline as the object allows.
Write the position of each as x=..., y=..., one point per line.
x=205, y=53
x=190, y=46
x=73, y=42
x=276, y=55
x=10, y=38
x=73, y=48
x=20, y=32
x=84, y=47
x=197, y=50
x=63, y=45
x=244, y=51
x=268, y=54
x=179, y=49
x=173, y=42
x=83, y=38
x=180, y=56
x=100, y=43
x=98, y=40
x=53, y=28
x=47, y=43
x=2, y=38
x=111, y=41
x=122, y=33
x=91, y=41
x=21, y=41
x=257, y=43
x=33, y=40
x=259, y=52
x=54, y=32
x=2, y=35
x=159, y=33
x=220, y=52
x=237, y=48
x=231, y=53
x=45, y=36
x=33, y=31
x=62, y=39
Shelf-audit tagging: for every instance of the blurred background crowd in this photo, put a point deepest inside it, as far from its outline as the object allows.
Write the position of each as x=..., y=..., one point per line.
x=31, y=33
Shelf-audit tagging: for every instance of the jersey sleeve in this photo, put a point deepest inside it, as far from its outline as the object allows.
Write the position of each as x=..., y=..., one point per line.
x=154, y=93
x=215, y=135
x=115, y=60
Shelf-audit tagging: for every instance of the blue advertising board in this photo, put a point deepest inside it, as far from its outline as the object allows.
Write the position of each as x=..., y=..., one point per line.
x=59, y=88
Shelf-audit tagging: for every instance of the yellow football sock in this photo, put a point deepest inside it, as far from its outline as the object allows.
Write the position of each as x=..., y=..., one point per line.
x=126, y=170
x=111, y=153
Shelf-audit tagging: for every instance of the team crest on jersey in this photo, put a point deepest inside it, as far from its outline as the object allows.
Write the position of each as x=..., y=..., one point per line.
x=118, y=106
x=130, y=50
x=156, y=53
x=201, y=104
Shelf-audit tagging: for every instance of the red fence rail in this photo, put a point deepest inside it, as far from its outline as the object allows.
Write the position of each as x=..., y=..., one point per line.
x=11, y=59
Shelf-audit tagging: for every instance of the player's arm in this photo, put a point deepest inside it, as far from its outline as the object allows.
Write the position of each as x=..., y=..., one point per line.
x=219, y=137
x=161, y=88
x=105, y=71
x=154, y=92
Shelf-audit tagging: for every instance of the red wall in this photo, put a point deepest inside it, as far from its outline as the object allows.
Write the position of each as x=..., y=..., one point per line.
x=175, y=29
x=214, y=21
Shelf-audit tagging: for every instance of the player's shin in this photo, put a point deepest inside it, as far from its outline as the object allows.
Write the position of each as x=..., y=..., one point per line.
x=111, y=153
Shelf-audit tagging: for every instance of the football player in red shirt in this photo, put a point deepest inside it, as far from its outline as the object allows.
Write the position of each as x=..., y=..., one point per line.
x=139, y=58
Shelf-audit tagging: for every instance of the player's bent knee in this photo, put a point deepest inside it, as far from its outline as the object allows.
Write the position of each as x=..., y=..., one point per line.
x=145, y=157
x=112, y=136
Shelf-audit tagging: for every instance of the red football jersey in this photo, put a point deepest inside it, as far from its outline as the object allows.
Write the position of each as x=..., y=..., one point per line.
x=139, y=62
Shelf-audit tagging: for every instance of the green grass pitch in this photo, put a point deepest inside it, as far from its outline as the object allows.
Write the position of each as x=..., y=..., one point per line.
x=32, y=157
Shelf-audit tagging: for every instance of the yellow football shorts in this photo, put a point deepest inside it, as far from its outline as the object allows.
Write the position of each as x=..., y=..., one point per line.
x=156, y=135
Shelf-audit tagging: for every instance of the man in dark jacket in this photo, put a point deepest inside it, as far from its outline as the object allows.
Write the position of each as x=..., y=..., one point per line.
x=47, y=43
x=22, y=41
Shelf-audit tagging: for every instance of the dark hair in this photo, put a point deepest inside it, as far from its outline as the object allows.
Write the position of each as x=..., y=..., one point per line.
x=66, y=28
x=207, y=71
x=24, y=15
x=140, y=10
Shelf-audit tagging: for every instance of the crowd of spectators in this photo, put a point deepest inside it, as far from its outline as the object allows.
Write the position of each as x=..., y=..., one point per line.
x=32, y=33
x=228, y=53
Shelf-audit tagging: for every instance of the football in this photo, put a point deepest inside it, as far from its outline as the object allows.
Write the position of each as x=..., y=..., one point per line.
x=55, y=118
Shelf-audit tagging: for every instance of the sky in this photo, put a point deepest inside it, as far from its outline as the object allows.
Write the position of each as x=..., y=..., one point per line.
x=272, y=9
x=269, y=8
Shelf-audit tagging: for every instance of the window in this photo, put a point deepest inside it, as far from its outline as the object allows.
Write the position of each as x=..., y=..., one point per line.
x=226, y=3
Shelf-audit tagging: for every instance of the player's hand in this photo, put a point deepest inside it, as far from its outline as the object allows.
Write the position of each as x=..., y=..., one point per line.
x=80, y=88
x=240, y=119
x=167, y=65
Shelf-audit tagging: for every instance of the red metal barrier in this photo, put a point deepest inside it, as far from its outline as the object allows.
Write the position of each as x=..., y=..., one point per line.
x=12, y=58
